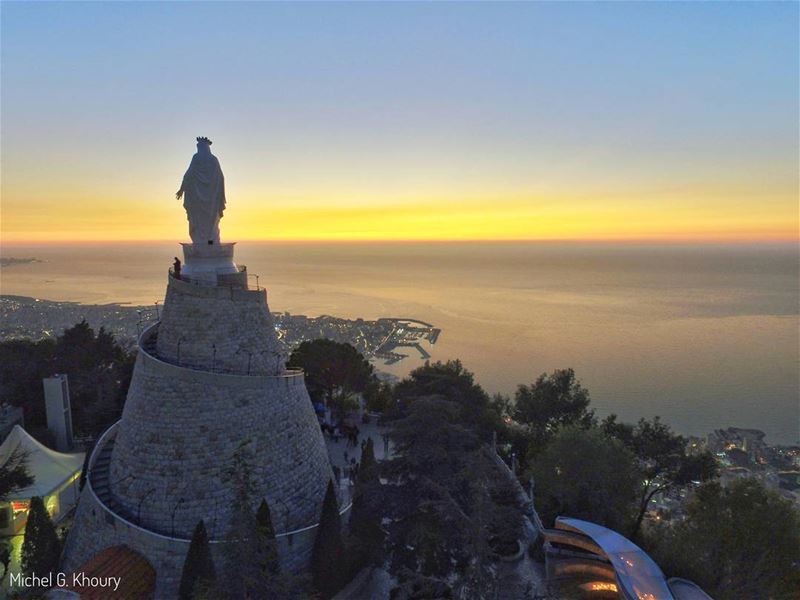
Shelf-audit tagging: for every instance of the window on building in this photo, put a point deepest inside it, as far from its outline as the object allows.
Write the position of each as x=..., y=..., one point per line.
x=21, y=506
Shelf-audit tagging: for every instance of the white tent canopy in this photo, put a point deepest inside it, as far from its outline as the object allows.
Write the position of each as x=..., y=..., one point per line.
x=49, y=468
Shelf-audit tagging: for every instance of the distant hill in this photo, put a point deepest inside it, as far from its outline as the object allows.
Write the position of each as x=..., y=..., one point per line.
x=11, y=261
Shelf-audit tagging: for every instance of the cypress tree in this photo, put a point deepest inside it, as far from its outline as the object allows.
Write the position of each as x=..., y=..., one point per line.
x=368, y=468
x=264, y=521
x=85, y=468
x=198, y=568
x=327, y=556
x=41, y=549
x=266, y=534
x=365, y=526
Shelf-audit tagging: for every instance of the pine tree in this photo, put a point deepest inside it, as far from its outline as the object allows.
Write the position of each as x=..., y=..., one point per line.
x=41, y=549
x=327, y=556
x=266, y=534
x=198, y=568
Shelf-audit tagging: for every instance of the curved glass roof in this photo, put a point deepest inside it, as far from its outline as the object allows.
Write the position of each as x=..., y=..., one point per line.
x=638, y=576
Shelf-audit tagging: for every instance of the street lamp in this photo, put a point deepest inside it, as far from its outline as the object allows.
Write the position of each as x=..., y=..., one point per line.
x=249, y=357
x=285, y=515
x=120, y=480
x=213, y=529
x=175, y=508
x=278, y=358
x=139, y=509
x=256, y=276
x=182, y=339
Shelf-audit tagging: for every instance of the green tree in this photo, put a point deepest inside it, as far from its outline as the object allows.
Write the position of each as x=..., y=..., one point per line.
x=740, y=541
x=549, y=403
x=662, y=459
x=266, y=533
x=378, y=396
x=41, y=547
x=502, y=405
x=452, y=382
x=441, y=497
x=198, y=568
x=89, y=450
x=14, y=474
x=99, y=371
x=251, y=559
x=365, y=515
x=328, y=570
x=582, y=473
x=368, y=466
x=334, y=372
x=485, y=533
x=23, y=364
x=427, y=528
x=243, y=573
x=5, y=557
x=264, y=521
x=505, y=519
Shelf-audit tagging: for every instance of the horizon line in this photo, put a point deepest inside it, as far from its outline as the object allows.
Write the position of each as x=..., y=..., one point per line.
x=598, y=241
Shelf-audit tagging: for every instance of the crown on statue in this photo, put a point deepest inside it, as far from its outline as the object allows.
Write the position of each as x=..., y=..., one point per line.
x=204, y=140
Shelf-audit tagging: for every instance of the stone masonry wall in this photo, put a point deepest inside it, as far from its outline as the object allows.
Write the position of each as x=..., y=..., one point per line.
x=187, y=413
x=174, y=452
x=100, y=529
x=218, y=327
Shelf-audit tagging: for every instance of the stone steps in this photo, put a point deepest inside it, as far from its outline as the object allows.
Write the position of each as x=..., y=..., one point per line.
x=99, y=475
x=99, y=478
x=149, y=345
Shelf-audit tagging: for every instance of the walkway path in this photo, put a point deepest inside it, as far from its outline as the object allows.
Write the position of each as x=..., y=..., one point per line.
x=341, y=453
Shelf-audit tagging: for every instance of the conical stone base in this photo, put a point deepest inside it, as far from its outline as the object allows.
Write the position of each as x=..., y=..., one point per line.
x=187, y=413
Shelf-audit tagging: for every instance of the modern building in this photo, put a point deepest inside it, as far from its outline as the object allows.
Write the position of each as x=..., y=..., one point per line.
x=605, y=564
x=59, y=413
x=209, y=396
x=55, y=479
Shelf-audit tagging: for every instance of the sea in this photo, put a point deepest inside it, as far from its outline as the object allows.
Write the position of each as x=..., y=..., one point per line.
x=705, y=336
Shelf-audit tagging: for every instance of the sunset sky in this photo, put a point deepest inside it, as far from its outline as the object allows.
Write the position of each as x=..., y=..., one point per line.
x=403, y=121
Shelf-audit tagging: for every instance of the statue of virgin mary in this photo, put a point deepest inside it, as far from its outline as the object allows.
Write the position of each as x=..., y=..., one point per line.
x=203, y=192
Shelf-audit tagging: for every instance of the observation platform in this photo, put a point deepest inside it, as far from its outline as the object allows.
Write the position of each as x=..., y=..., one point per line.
x=97, y=480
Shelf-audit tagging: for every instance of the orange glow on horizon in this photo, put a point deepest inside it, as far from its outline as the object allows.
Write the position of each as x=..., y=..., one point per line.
x=564, y=219
x=484, y=125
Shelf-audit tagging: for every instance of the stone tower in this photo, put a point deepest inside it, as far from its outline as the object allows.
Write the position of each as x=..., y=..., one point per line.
x=209, y=382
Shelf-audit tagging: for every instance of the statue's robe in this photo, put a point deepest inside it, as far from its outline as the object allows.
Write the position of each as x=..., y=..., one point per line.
x=204, y=196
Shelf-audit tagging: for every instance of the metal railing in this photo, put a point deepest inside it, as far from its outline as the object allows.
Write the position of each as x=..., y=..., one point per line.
x=101, y=442
x=205, y=283
x=148, y=341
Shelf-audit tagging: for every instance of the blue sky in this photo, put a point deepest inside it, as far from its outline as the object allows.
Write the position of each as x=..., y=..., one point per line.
x=374, y=105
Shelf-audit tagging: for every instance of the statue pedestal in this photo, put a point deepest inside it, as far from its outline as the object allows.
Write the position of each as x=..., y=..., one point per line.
x=205, y=263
